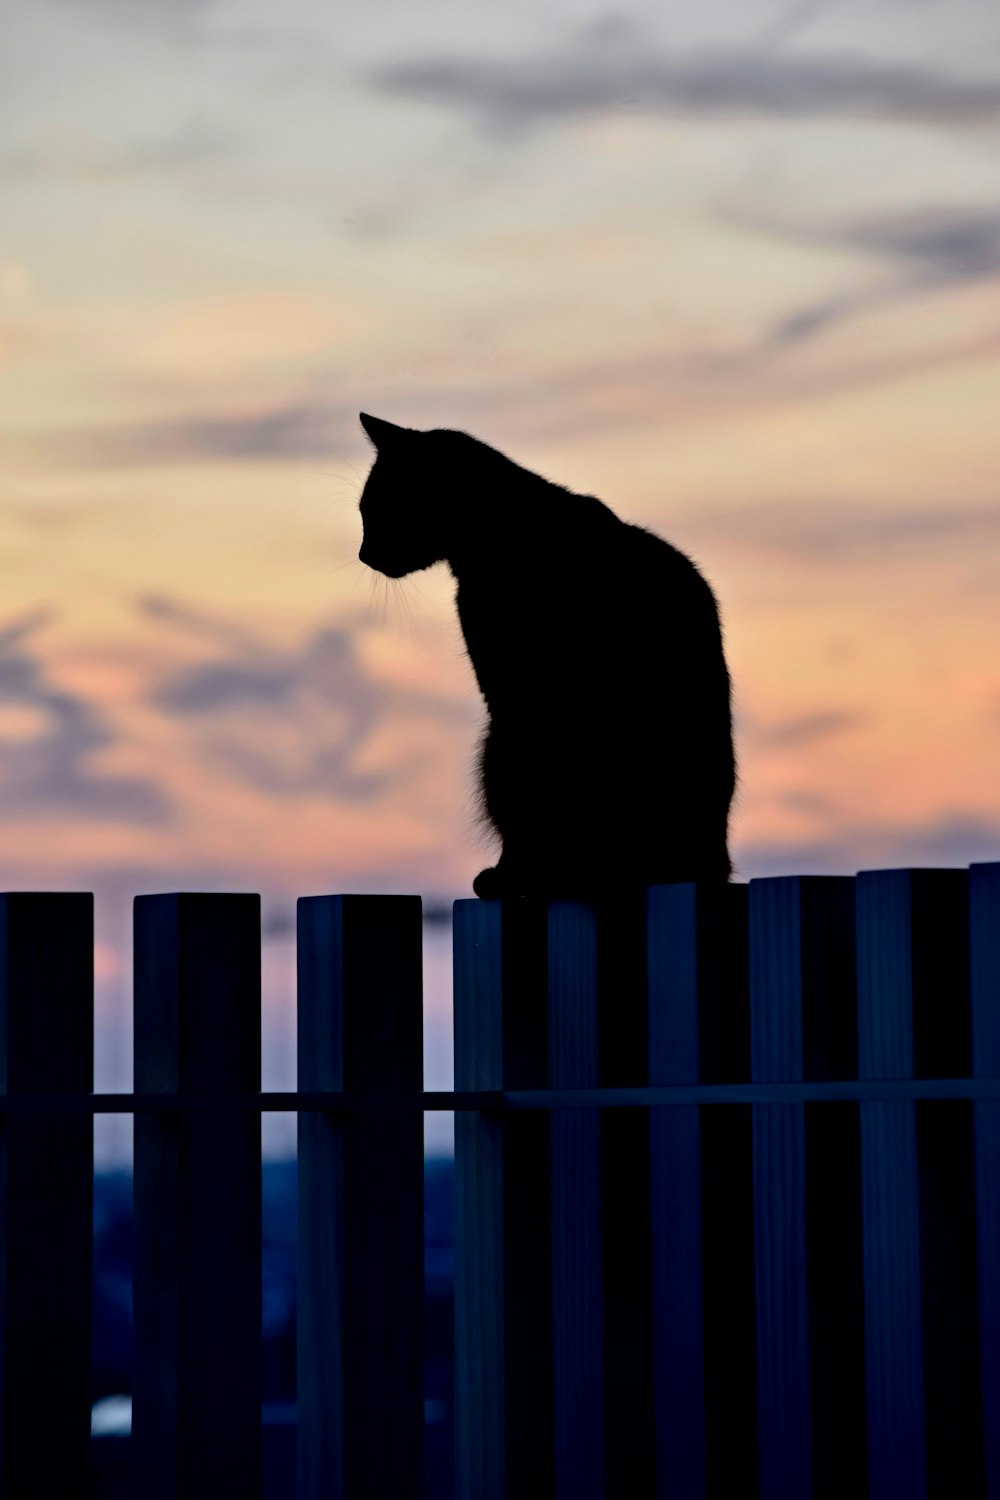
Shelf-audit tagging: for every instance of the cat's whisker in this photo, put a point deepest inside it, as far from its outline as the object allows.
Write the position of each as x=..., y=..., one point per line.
x=362, y=573
x=414, y=585
x=372, y=596
x=398, y=596
x=406, y=608
x=411, y=618
x=347, y=479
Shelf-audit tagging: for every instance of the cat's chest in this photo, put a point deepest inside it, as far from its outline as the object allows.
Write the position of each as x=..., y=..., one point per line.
x=496, y=630
x=500, y=618
x=516, y=630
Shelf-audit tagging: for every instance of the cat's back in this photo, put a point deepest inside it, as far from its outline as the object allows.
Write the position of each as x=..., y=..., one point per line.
x=628, y=583
x=581, y=607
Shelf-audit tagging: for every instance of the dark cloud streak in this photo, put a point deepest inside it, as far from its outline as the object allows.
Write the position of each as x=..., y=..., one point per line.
x=949, y=244
x=807, y=729
x=295, y=430
x=838, y=532
x=617, y=69
x=924, y=252
x=48, y=771
x=206, y=626
x=321, y=698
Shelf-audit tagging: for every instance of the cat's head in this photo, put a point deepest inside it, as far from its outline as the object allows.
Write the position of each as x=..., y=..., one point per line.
x=401, y=504
x=428, y=496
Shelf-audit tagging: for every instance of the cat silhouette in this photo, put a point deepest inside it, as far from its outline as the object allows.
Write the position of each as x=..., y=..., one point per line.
x=607, y=761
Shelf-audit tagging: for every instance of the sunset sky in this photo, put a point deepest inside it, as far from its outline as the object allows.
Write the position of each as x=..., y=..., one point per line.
x=733, y=267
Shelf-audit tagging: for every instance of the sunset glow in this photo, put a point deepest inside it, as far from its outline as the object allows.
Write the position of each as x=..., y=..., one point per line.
x=737, y=274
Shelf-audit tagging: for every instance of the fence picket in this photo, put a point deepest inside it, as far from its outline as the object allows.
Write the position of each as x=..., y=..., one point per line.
x=503, y=1303
x=575, y=1136
x=984, y=927
x=893, y=1320
x=46, y=1176
x=480, y=1413
x=806, y=1175
x=776, y=970
x=196, y=1402
x=360, y=1298
x=702, y=1220
x=835, y=1267
x=626, y=1208
x=925, y=1433
x=673, y=982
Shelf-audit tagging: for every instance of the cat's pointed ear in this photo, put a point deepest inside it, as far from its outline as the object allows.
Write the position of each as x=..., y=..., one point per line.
x=382, y=434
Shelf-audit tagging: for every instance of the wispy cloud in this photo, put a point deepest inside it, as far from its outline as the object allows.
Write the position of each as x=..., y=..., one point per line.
x=789, y=22
x=215, y=628
x=838, y=532
x=64, y=153
x=297, y=429
x=950, y=244
x=290, y=722
x=45, y=763
x=920, y=252
x=952, y=839
x=617, y=67
x=805, y=729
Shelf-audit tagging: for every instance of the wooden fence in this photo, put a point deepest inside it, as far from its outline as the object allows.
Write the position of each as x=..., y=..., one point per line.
x=727, y=1183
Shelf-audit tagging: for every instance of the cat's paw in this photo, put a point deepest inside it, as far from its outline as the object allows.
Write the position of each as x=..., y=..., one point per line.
x=488, y=884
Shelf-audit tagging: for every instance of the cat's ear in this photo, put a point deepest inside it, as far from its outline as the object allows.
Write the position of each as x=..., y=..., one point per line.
x=382, y=434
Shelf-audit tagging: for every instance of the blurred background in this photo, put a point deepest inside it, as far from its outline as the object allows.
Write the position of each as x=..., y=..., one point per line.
x=732, y=267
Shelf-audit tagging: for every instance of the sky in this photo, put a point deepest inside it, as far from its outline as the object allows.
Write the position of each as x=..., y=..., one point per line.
x=733, y=267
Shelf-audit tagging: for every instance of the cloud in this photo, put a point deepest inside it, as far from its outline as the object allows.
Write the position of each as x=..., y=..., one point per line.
x=948, y=244
x=295, y=430
x=924, y=252
x=324, y=696
x=583, y=397
x=62, y=515
x=814, y=318
x=810, y=803
x=836, y=531
x=206, y=626
x=44, y=762
x=789, y=22
x=214, y=689
x=22, y=627
x=73, y=153
x=615, y=67
x=806, y=729
x=953, y=839
x=292, y=722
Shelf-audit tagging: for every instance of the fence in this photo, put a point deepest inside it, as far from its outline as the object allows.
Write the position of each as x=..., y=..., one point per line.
x=728, y=1193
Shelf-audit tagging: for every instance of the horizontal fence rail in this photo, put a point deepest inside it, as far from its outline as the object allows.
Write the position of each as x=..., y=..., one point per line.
x=491, y=1101
x=793, y=1296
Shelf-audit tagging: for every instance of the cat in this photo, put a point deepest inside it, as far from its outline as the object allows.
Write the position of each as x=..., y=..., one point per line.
x=607, y=761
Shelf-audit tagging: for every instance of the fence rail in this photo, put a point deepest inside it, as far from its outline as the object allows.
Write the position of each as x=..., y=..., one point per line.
x=492, y=1101
x=796, y=1295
